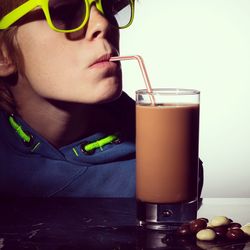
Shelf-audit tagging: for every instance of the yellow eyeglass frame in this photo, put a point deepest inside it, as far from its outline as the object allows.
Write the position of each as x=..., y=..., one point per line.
x=28, y=6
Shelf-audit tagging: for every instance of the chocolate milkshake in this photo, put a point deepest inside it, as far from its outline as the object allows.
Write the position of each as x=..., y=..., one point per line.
x=167, y=142
x=167, y=153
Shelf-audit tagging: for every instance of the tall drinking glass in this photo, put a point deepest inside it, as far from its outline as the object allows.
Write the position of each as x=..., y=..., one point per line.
x=167, y=143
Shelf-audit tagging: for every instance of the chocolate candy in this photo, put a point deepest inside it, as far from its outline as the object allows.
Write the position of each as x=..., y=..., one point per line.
x=234, y=225
x=246, y=230
x=184, y=230
x=220, y=231
x=197, y=225
x=206, y=234
x=235, y=234
x=205, y=219
x=220, y=227
x=219, y=221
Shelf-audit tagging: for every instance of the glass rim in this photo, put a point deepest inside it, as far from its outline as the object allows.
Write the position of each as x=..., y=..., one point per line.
x=168, y=91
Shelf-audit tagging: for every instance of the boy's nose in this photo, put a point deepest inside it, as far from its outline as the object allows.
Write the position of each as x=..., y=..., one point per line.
x=97, y=25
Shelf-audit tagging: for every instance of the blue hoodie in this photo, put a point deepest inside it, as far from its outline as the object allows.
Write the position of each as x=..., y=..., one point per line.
x=41, y=170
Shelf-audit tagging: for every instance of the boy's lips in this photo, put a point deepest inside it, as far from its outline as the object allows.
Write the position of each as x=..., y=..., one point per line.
x=101, y=61
x=104, y=59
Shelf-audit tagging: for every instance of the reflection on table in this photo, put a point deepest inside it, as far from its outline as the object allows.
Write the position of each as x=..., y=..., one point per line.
x=74, y=224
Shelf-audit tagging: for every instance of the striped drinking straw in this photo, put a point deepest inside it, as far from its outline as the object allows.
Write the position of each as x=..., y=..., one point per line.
x=143, y=71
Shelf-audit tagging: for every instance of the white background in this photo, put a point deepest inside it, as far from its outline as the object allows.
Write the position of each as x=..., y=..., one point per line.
x=205, y=45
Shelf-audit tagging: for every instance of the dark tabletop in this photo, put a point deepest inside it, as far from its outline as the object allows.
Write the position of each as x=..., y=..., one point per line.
x=72, y=224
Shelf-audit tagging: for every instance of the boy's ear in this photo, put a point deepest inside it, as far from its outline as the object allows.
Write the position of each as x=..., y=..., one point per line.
x=7, y=67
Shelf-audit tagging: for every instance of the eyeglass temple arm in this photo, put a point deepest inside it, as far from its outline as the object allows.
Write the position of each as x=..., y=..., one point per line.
x=17, y=13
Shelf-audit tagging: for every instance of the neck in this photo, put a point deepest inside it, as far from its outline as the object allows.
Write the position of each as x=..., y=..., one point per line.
x=64, y=123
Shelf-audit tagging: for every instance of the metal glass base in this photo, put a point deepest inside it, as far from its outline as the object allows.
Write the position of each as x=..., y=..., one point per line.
x=165, y=216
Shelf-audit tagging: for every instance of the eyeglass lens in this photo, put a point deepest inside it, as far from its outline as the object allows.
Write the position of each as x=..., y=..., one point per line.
x=67, y=14
x=70, y=14
x=118, y=12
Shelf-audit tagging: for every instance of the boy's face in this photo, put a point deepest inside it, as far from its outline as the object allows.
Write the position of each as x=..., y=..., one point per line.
x=65, y=67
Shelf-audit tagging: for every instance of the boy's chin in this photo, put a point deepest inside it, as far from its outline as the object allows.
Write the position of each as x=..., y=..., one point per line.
x=111, y=96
